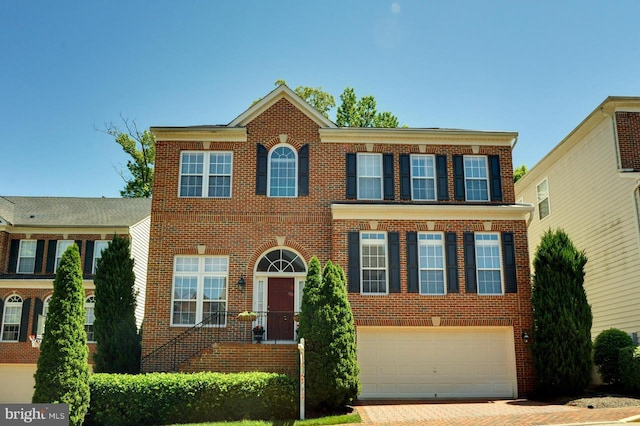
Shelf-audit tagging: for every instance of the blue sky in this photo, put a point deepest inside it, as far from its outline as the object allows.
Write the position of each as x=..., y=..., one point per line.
x=68, y=67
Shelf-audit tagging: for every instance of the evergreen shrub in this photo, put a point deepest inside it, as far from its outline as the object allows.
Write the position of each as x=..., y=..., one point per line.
x=606, y=353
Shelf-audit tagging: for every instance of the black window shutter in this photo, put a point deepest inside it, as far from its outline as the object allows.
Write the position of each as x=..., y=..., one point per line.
x=494, y=178
x=509, y=258
x=458, y=178
x=13, y=256
x=451, y=253
x=51, y=256
x=413, y=282
x=1, y=309
x=354, y=262
x=24, y=320
x=442, y=181
x=394, y=262
x=405, y=177
x=470, y=262
x=303, y=170
x=37, y=310
x=37, y=269
x=79, y=244
x=88, y=257
x=387, y=171
x=352, y=176
x=261, y=170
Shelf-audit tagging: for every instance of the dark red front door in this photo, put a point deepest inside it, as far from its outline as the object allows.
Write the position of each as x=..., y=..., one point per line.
x=280, y=307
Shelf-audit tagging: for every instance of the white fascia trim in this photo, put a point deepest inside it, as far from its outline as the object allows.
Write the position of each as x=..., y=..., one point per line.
x=200, y=134
x=46, y=284
x=430, y=212
x=79, y=230
x=406, y=136
x=629, y=174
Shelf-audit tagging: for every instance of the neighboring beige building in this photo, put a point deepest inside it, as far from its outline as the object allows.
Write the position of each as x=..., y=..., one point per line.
x=589, y=185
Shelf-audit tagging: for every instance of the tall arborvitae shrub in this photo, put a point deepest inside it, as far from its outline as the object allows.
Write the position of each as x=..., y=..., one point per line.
x=62, y=375
x=561, y=347
x=327, y=325
x=117, y=341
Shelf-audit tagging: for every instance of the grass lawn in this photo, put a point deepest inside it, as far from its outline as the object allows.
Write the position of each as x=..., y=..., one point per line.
x=329, y=420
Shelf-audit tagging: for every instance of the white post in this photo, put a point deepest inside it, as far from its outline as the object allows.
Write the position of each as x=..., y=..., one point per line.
x=301, y=349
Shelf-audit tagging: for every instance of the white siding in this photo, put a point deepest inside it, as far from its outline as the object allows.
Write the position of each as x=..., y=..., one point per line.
x=595, y=206
x=140, y=254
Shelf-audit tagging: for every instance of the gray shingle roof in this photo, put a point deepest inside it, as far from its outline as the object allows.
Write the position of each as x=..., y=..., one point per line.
x=73, y=212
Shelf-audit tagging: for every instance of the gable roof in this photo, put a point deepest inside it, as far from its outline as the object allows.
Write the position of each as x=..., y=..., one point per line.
x=73, y=211
x=276, y=94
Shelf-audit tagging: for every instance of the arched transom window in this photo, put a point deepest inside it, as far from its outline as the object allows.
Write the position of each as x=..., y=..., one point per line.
x=281, y=260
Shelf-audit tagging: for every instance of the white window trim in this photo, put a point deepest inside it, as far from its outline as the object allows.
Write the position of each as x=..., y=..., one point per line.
x=467, y=178
x=20, y=257
x=296, y=165
x=498, y=242
x=385, y=244
x=358, y=175
x=90, y=302
x=12, y=302
x=206, y=162
x=444, y=264
x=97, y=253
x=60, y=252
x=200, y=275
x=540, y=200
x=435, y=186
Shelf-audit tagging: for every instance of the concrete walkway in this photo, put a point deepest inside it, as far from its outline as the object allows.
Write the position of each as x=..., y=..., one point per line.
x=490, y=413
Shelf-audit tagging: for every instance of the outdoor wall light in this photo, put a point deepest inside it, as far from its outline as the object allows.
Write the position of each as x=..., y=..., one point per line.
x=241, y=282
x=525, y=336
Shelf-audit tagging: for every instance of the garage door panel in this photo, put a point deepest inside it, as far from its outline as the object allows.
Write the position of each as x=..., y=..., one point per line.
x=447, y=362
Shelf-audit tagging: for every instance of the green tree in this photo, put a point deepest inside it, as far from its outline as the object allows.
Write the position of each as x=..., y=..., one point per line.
x=141, y=148
x=117, y=341
x=561, y=347
x=606, y=353
x=314, y=96
x=62, y=375
x=326, y=323
x=519, y=171
x=354, y=112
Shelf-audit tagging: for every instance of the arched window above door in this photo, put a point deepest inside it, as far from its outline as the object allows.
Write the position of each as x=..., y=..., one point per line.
x=281, y=260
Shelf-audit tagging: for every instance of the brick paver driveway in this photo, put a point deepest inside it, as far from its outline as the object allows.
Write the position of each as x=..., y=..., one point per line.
x=490, y=413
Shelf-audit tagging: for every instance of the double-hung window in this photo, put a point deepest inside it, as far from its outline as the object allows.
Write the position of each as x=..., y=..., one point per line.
x=283, y=172
x=199, y=290
x=98, y=247
x=11, y=318
x=27, y=257
x=373, y=252
x=488, y=263
x=431, y=263
x=61, y=246
x=423, y=177
x=90, y=317
x=476, y=178
x=542, y=191
x=370, y=176
x=205, y=174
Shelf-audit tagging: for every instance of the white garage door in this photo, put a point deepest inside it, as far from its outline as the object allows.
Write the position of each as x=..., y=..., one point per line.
x=436, y=362
x=17, y=382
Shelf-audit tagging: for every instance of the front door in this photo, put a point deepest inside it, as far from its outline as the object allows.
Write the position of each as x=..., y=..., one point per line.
x=280, y=309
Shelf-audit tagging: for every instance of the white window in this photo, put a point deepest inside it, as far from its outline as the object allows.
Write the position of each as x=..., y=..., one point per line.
x=488, y=263
x=61, y=246
x=373, y=253
x=544, y=209
x=98, y=246
x=370, y=176
x=431, y=263
x=283, y=172
x=43, y=318
x=423, y=177
x=27, y=257
x=11, y=318
x=199, y=290
x=90, y=317
x=476, y=178
x=206, y=174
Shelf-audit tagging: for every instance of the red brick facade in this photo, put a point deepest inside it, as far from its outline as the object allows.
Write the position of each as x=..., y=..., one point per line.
x=245, y=226
x=628, y=132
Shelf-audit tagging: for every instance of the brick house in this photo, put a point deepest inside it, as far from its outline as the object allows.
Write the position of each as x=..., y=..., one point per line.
x=34, y=232
x=424, y=222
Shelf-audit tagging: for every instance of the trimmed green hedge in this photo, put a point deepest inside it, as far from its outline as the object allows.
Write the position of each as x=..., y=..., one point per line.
x=166, y=398
x=629, y=362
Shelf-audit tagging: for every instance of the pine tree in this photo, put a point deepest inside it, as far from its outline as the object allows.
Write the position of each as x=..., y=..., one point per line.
x=62, y=375
x=561, y=347
x=117, y=341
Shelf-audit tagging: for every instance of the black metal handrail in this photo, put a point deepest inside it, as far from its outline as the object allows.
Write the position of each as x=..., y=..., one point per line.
x=225, y=326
